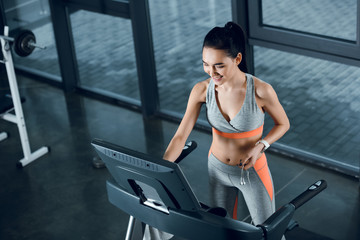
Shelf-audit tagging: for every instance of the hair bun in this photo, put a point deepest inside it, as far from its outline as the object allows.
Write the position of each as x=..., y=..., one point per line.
x=229, y=25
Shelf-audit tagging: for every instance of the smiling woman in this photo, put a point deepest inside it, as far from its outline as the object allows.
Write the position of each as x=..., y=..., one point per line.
x=217, y=64
x=236, y=103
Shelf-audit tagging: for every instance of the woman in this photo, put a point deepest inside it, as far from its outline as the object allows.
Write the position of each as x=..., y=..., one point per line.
x=236, y=103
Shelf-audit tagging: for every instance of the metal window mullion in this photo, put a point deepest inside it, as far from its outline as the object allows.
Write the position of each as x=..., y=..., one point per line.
x=358, y=25
x=145, y=60
x=239, y=9
x=305, y=52
x=108, y=7
x=314, y=43
x=255, y=21
x=3, y=76
x=64, y=45
x=3, y=16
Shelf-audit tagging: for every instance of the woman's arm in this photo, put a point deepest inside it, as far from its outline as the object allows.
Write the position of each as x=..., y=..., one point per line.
x=270, y=103
x=274, y=108
x=196, y=99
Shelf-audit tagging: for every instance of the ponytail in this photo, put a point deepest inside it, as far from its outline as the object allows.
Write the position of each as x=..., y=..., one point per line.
x=230, y=38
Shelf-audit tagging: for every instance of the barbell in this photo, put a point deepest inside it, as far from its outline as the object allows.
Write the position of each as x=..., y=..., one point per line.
x=24, y=42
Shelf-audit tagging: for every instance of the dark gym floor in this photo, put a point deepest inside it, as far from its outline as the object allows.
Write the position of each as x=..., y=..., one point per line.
x=61, y=195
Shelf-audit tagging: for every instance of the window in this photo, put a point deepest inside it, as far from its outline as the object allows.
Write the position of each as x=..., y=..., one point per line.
x=105, y=55
x=320, y=100
x=329, y=18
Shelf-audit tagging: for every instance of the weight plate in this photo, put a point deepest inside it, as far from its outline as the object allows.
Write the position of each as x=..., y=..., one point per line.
x=22, y=42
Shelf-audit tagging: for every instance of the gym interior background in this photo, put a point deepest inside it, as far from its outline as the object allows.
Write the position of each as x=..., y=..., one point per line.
x=122, y=71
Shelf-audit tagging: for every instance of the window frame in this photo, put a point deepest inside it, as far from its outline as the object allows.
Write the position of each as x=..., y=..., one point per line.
x=309, y=44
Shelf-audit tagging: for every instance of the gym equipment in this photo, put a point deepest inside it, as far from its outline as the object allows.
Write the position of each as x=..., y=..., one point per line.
x=6, y=106
x=156, y=192
x=24, y=44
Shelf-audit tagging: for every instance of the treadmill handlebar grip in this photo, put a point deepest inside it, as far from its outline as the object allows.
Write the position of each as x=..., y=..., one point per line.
x=311, y=192
x=188, y=148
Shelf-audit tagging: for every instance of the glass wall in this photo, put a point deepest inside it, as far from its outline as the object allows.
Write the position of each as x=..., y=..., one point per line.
x=34, y=15
x=327, y=17
x=319, y=96
x=178, y=29
x=320, y=99
x=105, y=53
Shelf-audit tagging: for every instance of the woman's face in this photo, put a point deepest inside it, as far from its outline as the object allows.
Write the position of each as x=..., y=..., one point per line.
x=219, y=65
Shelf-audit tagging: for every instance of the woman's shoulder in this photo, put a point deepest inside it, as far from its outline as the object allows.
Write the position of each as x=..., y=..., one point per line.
x=262, y=88
x=202, y=85
x=199, y=90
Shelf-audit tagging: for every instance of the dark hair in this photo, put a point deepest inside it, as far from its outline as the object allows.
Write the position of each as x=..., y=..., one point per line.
x=231, y=39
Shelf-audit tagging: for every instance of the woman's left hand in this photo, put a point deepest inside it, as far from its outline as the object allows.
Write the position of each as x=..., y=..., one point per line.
x=253, y=155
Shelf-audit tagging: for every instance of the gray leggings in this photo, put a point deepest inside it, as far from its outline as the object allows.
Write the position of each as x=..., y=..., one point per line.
x=255, y=184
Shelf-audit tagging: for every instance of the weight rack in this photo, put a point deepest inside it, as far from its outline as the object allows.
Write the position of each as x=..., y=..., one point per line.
x=28, y=44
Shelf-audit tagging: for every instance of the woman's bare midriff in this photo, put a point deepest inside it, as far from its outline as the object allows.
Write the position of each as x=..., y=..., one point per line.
x=231, y=151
